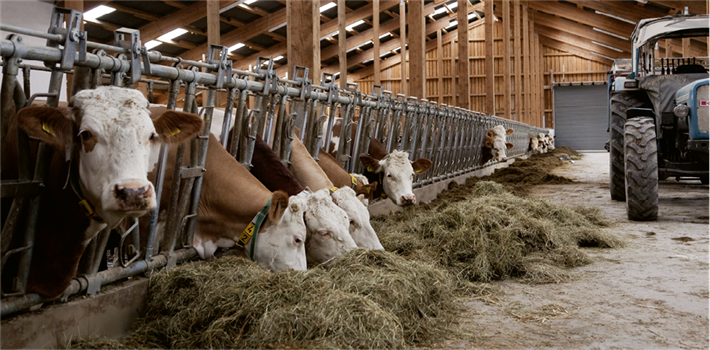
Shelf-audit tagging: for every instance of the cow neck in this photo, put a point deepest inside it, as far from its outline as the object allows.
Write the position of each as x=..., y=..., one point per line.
x=73, y=179
x=380, y=183
x=252, y=230
x=305, y=168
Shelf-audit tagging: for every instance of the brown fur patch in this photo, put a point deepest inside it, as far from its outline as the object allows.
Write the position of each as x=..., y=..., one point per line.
x=279, y=204
x=267, y=168
x=48, y=124
x=421, y=165
x=176, y=127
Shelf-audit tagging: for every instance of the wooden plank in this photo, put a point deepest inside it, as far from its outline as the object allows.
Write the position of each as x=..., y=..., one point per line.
x=184, y=16
x=581, y=42
x=585, y=17
x=464, y=83
x=454, y=72
x=686, y=47
x=506, y=60
x=574, y=50
x=440, y=65
x=669, y=49
x=695, y=7
x=526, y=66
x=376, y=39
x=624, y=9
x=342, y=45
x=302, y=34
x=533, y=76
x=517, y=51
x=538, y=83
x=213, y=33
x=490, y=61
x=417, y=53
x=575, y=28
x=403, y=43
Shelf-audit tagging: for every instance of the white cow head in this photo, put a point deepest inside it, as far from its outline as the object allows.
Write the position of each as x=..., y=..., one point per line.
x=112, y=137
x=543, y=142
x=397, y=174
x=550, y=142
x=534, y=144
x=281, y=244
x=327, y=225
x=360, y=228
x=495, y=140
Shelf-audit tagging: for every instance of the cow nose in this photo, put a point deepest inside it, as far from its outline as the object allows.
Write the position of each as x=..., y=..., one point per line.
x=132, y=198
x=409, y=200
x=505, y=159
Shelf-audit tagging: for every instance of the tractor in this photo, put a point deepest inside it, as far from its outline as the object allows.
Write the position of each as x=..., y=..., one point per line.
x=658, y=114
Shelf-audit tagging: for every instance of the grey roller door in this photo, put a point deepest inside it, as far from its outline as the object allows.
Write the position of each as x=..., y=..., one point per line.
x=581, y=117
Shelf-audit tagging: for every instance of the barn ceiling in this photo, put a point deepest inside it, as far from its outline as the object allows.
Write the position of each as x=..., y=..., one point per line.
x=593, y=29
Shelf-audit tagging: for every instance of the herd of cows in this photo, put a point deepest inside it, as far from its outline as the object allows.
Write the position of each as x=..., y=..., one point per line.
x=283, y=216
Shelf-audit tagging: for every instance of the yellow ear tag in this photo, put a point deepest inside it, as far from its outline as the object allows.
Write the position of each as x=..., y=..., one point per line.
x=368, y=189
x=419, y=170
x=370, y=169
x=48, y=130
x=174, y=132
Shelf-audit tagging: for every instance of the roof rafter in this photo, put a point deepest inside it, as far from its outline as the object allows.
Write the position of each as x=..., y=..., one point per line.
x=584, y=17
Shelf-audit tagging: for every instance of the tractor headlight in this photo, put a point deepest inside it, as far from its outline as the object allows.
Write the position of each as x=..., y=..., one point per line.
x=681, y=111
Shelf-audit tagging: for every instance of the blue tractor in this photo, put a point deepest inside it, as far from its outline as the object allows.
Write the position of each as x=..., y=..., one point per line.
x=658, y=115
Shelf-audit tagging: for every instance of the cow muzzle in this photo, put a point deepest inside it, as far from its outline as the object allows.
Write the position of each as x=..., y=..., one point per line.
x=134, y=198
x=409, y=199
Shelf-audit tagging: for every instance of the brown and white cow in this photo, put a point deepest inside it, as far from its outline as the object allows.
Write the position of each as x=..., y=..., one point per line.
x=394, y=173
x=231, y=197
x=534, y=145
x=494, y=144
x=309, y=174
x=341, y=178
x=325, y=217
x=110, y=137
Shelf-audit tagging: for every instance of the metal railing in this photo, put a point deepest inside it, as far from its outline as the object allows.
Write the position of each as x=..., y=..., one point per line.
x=256, y=103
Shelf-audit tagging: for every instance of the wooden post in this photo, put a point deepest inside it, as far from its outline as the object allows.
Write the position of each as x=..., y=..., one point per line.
x=403, y=43
x=669, y=49
x=376, y=40
x=533, y=75
x=464, y=83
x=686, y=47
x=417, y=49
x=303, y=32
x=440, y=65
x=213, y=32
x=526, y=66
x=490, y=58
x=342, y=45
x=517, y=51
x=454, y=75
x=506, y=60
x=538, y=83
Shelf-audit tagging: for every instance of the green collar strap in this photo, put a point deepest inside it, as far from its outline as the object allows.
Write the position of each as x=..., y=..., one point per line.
x=252, y=230
x=353, y=181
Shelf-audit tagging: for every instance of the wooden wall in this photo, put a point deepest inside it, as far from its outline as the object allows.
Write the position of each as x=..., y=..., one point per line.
x=576, y=69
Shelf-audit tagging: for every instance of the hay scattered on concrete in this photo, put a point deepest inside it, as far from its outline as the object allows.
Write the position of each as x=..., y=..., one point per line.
x=368, y=299
x=492, y=234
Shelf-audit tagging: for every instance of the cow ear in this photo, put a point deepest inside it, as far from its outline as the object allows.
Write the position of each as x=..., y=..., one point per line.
x=489, y=133
x=369, y=189
x=488, y=142
x=362, y=199
x=508, y=145
x=509, y=131
x=372, y=164
x=50, y=125
x=176, y=127
x=421, y=165
x=279, y=204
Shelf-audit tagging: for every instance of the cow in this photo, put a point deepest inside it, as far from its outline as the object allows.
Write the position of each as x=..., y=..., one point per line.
x=543, y=142
x=550, y=142
x=494, y=144
x=309, y=174
x=340, y=177
x=393, y=172
x=104, y=147
x=534, y=145
x=230, y=198
x=327, y=223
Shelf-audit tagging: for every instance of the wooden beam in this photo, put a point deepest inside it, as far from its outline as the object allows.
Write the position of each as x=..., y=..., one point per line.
x=342, y=44
x=686, y=47
x=417, y=54
x=581, y=42
x=506, y=60
x=303, y=38
x=517, y=52
x=624, y=9
x=533, y=74
x=694, y=7
x=538, y=83
x=581, y=30
x=669, y=48
x=559, y=45
x=440, y=66
x=177, y=19
x=403, y=43
x=376, y=39
x=213, y=32
x=176, y=4
x=271, y=52
x=585, y=17
x=526, y=65
x=489, y=64
x=464, y=82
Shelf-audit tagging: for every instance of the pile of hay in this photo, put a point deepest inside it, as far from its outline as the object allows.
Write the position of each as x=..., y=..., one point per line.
x=492, y=234
x=367, y=299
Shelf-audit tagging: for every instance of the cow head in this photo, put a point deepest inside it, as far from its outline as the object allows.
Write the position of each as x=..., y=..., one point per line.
x=550, y=142
x=281, y=244
x=112, y=137
x=360, y=228
x=534, y=144
x=327, y=225
x=495, y=140
x=397, y=174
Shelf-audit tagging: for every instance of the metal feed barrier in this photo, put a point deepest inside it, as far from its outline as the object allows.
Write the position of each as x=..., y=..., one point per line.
x=257, y=102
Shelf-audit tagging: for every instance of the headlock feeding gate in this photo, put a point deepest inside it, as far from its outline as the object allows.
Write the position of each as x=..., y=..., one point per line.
x=451, y=137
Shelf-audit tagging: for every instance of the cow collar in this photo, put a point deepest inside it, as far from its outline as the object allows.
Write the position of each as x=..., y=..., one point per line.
x=73, y=179
x=252, y=230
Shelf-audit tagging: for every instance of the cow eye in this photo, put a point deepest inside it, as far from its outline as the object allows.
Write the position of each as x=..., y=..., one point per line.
x=324, y=233
x=389, y=175
x=153, y=136
x=85, y=135
x=352, y=222
x=297, y=240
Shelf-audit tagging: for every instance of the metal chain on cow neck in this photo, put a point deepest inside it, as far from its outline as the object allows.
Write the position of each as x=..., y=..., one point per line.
x=252, y=230
x=76, y=187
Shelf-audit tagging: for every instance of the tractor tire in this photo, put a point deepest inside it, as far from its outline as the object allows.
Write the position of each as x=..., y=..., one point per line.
x=641, y=154
x=620, y=102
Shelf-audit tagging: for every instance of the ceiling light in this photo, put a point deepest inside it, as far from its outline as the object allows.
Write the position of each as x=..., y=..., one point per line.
x=249, y=2
x=151, y=44
x=327, y=7
x=173, y=34
x=350, y=27
x=98, y=12
x=236, y=47
x=277, y=58
x=610, y=33
x=607, y=46
x=615, y=17
x=453, y=5
x=598, y=54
